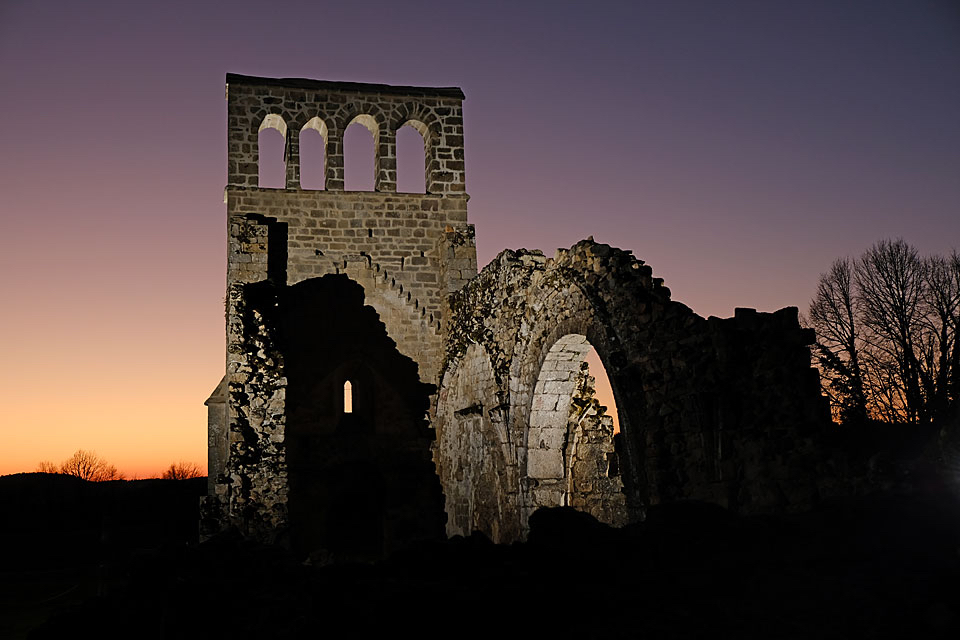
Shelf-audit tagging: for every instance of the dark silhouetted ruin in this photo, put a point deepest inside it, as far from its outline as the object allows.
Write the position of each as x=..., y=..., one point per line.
x=380, y=391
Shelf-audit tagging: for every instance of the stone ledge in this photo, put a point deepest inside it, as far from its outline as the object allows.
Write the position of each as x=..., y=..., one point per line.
x=346, y=87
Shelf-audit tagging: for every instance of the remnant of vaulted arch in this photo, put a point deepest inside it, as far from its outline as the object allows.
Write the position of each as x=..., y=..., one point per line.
x=698, y=399
x=571, y=458
x=474, y=451
x=591, y=461
x=546, y=431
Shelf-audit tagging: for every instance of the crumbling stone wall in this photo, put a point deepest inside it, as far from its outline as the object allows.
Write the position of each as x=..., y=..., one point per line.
x=718, y=410
x=591, y=461
x=253, y=485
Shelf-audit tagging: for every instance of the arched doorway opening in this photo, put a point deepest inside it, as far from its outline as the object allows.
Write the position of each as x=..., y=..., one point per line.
x=572, y=441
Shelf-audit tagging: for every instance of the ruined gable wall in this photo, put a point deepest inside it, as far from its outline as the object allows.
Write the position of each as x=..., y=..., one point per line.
x=394, y=245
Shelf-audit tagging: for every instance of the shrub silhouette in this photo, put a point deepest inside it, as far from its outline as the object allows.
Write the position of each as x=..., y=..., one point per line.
x=85, y=465
x=183, y=471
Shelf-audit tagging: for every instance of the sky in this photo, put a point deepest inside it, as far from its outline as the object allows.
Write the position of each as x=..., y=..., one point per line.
x=737, y=147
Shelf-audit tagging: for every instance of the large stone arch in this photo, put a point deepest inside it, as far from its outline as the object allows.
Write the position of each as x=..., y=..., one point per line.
x=474, y=451
x=564, y=316
x=522, y=308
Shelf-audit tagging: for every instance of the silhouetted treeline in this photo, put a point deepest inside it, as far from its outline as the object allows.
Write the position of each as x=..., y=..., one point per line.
x=69, y=521
x=86, y=465
x=887, y=325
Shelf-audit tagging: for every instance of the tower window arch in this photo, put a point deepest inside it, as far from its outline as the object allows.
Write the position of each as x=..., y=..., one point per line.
x=272, y=152
x=313, y=154
x=412, y=157
x=360, y=153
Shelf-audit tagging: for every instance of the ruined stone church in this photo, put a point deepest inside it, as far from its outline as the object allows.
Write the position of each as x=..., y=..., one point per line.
x=380, y=391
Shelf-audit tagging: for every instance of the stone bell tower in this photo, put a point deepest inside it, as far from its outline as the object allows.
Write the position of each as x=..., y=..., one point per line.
x=335, y=310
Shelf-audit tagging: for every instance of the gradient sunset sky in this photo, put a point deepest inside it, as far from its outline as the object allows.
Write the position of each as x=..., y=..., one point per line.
x=736, y=147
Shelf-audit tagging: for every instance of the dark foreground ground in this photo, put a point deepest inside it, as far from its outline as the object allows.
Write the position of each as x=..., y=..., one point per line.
x=117, y=560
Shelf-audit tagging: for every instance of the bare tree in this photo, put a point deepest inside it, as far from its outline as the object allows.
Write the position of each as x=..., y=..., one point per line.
x=834, y=318
x=940, y=362
x=87, y=465
x=887, y=335
x=891, y=279
x=183, y=471
x=47, y=467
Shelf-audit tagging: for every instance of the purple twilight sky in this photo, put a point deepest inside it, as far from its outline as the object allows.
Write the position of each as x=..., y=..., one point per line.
x=737, y=147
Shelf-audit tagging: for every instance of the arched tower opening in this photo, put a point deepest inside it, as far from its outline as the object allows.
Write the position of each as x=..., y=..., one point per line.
x=313, y=154
x=272, y=152
x=411, y=157
x=360, y=150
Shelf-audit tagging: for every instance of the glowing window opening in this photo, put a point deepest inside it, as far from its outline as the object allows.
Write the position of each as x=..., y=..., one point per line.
x=347, y=397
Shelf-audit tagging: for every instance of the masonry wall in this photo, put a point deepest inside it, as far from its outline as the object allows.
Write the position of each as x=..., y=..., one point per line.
x=399, y=233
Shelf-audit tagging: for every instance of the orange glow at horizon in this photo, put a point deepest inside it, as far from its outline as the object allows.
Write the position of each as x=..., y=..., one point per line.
x=119, y=392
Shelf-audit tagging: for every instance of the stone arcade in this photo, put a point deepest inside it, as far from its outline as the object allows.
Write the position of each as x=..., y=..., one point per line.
x=379, y=391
